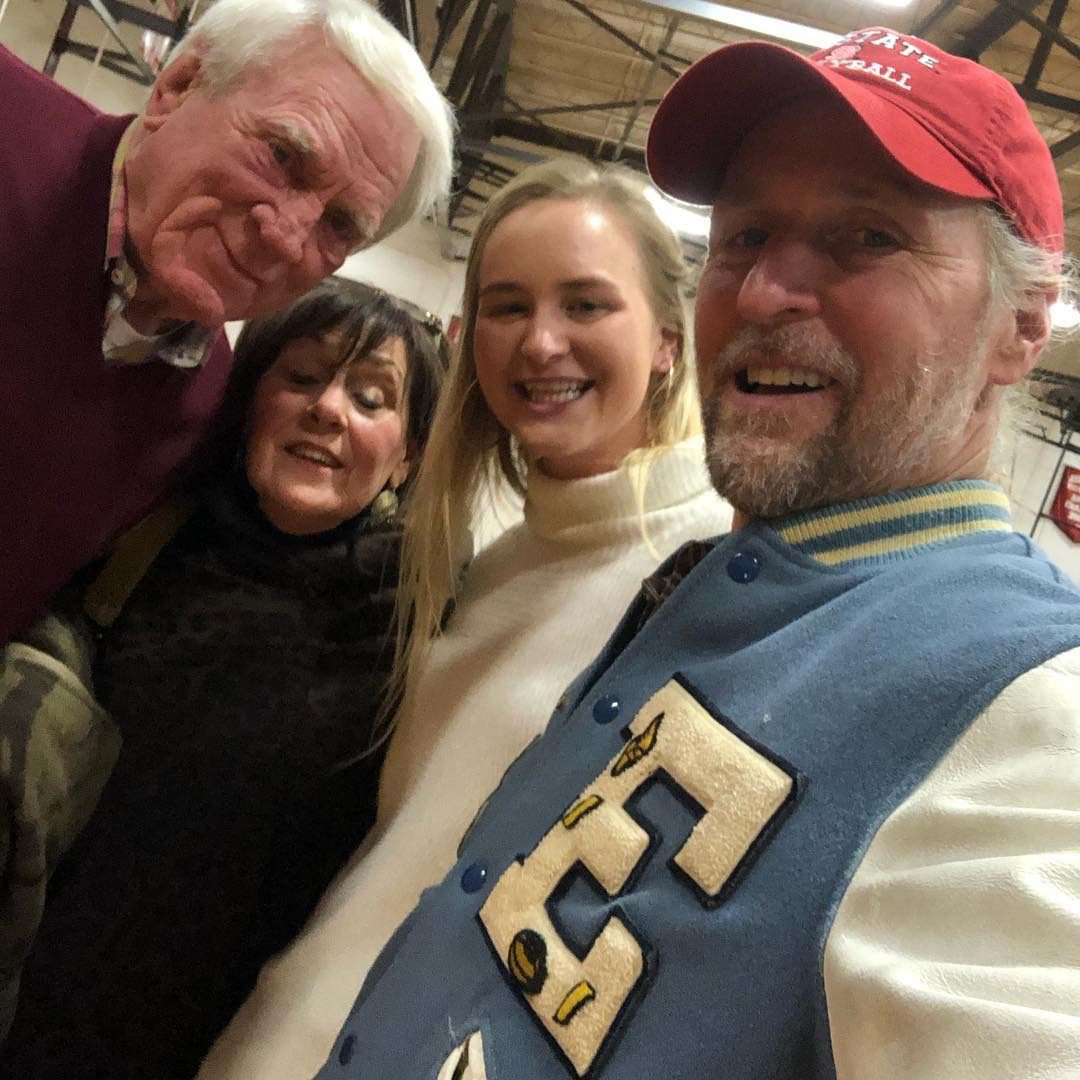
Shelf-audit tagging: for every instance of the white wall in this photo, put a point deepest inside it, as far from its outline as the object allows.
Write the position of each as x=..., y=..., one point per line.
x=408, y=264
x=27, y=29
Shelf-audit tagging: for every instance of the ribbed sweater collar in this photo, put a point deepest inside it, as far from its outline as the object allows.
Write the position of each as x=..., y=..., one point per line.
x=898, y=525
x=565, y=509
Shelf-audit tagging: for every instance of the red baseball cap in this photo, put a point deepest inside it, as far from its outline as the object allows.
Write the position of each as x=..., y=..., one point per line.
x=949, y=122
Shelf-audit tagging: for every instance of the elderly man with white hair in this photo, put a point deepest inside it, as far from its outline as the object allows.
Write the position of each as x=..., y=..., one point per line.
x=282, y=136
x=814, y=811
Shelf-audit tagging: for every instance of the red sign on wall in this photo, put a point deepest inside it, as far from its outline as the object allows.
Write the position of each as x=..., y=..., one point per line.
x=1066, y=509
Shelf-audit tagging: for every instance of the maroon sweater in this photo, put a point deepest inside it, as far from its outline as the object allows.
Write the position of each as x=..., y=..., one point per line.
x=85, y=448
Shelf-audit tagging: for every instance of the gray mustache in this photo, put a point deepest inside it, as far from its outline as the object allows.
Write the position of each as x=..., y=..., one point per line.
x=786, y=345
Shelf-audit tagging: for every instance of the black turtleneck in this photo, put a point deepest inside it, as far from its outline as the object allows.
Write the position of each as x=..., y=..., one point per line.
x=244, y=673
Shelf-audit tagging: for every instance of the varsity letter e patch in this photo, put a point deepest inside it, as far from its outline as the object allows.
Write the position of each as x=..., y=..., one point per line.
x=741, y=791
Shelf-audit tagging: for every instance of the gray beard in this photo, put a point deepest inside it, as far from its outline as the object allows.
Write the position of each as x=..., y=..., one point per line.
x=869, y=448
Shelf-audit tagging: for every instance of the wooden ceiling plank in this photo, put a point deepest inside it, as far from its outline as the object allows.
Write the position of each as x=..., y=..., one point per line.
x=626, y=39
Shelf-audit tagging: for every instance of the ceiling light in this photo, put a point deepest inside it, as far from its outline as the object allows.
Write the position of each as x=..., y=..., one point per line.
x=767, y=25
x=685, y=220
x=1064, y=316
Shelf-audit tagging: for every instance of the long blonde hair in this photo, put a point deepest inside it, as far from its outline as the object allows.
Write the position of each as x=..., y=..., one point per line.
x=468, y=448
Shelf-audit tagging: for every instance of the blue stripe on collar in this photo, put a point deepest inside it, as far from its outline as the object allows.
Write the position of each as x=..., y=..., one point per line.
x=897, y=525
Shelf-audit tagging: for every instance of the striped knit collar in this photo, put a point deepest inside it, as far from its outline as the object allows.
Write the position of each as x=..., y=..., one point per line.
x=898, y=525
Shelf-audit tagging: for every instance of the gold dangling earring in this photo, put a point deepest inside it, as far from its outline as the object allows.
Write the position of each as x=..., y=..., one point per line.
x=384, y=507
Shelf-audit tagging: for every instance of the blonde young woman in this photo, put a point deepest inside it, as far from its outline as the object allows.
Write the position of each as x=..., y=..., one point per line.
x=574, y=384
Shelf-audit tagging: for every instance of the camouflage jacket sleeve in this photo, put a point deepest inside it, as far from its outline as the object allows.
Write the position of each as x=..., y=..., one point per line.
x=57, y=749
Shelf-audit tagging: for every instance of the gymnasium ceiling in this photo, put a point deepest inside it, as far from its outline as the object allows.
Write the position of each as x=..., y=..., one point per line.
x=535, y=78
x=532, y=79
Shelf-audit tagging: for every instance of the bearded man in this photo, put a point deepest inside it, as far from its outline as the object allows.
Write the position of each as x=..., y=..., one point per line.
x=814, y=812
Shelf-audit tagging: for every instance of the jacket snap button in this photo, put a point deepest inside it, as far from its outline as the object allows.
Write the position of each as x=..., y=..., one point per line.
x=474, y=877
x=743, y=567
x=605, y=710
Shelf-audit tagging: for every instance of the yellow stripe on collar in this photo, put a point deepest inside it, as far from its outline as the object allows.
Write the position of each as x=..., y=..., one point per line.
x=889, y=525
x=920, y=538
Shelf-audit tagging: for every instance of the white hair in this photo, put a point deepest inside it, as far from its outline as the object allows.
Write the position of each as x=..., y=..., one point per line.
x=235, y=35
x=1021, y=274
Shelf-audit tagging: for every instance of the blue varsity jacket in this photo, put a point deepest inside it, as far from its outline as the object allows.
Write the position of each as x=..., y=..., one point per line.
x=648, y=891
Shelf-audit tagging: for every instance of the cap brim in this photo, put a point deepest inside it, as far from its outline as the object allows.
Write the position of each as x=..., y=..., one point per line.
x=708, y=112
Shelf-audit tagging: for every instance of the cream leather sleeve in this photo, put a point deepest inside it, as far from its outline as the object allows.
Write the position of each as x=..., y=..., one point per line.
x=955, y=952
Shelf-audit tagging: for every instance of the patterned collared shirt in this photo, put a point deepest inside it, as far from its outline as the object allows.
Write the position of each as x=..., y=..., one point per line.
x=183, y=344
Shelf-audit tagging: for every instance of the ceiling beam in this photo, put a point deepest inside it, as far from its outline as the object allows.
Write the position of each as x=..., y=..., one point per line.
x=480, y=91
x=492, y=64
x=921, y=29
x=1051, y=101
x=1043, y=45
x=626, y=39
x=646, y=86
x=147, y=20
x=110, y=59
x=465, y=67
x=515, y=109
x=514, y=153
x=1066, y=152
x=520, y=111
x=1047, y=30
x=448, y=14
x=565, y=141
x=402, y=13
x=995, y=25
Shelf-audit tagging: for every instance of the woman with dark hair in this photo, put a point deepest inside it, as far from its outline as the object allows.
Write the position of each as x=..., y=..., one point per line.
x=243, y=669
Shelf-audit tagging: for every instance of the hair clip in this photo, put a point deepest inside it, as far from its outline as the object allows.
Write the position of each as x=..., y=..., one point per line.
x=431, y=322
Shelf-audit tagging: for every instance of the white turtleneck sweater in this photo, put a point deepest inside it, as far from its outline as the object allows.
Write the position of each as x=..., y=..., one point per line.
x=537, y=605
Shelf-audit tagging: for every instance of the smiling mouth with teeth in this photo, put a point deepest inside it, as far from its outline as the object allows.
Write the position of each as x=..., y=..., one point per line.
x=780, y=380
x=554, y=391
x=312, y=453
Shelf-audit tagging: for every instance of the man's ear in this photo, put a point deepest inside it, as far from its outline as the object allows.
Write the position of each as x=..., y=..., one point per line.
x=172, y=87
x=1022, y=341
